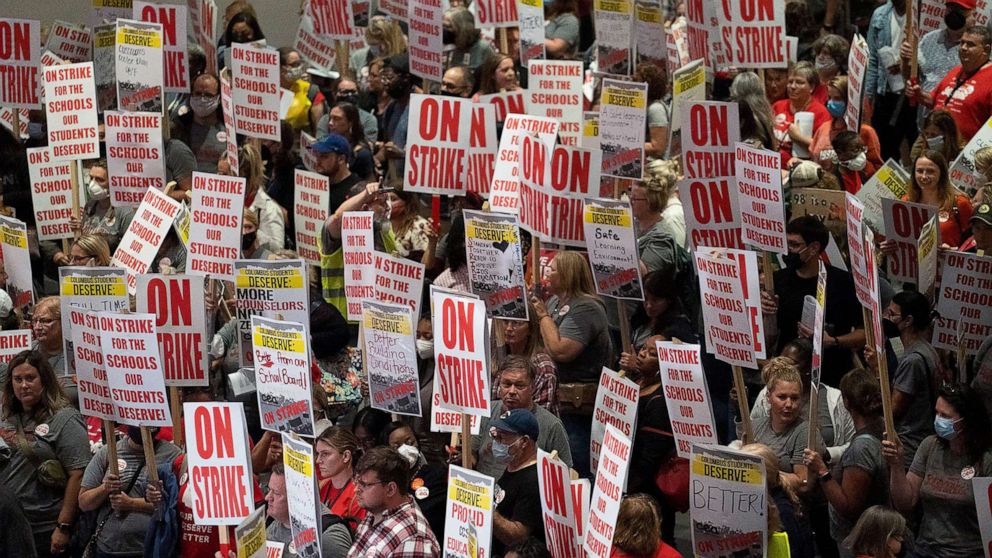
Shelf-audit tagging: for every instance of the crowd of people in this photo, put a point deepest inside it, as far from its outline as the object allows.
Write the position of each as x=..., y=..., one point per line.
x=843, y=488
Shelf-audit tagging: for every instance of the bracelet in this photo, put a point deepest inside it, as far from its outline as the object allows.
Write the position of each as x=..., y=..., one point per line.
x=825, y=477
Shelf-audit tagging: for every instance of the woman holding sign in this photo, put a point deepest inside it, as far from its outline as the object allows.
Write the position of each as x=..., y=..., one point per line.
x=931, y=185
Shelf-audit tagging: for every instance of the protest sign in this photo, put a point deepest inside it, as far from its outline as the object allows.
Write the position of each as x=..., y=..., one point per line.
x=306, y=155
x=311, y=201
x=726, y=317
x=581, y=493
x=710, y=134
x=616, y=406
x=759, y=197
x=71, y=111
x=135, y=155
x=826, y=205
x=315, y=50
x=686, y=396
x=612, y=245
x=874, y=308
x=134, y=369
x=462, y=367
x=495, y=263
x=531, y=28
x=621, y=127
x=437, y=145
x=496, y=13
x=70, y=41
x=556, y=92
x=468, y=526
x=821, y=301
x=333, y=19
x=962, y=171
x=105, y=66
x=203, y=14
x=20, y=60
x=614, y=34
x=14, y=341
x=178, y=304
x=173, y=21
x=504, y=193
x=712, y=217
x=7, y=121
x=424, y=45
x=144, y=235
x=448, y=421
x=51, y=193
x=219, y=463
x=676, y=45
x=255, y=90
x=16, y=261
x=271, y=288
x=857, y=65
x=611, y=478
x=91, y=376
x=552, y=188
x=728, y=504
x=282, y=375
x=649, y=32
x=926, y=254
x=903, y=223
x=249, y=535
x=753, y=33
x=688, y=85
x=557, y=508
x=274, y=549
x=890, y=181
x=215, y=231
x=590, y=130
x=227, y=107
x=391, y=357
x=482, y=149
x=507, y=102
x=964, y=302
x=931, y=16
x=89, y=288
x=301, y=495
x=138, y=66
x=983, y=503
x=856, y=248
x=109, y=11
x=357, y=246
x=398, y=281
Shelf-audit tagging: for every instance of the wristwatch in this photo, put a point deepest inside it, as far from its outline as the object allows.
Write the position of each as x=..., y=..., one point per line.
x=825, y=477
x=64, y=527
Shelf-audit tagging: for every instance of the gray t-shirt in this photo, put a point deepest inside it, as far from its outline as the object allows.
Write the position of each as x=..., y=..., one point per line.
x=865, y=453
x=788, y=445
x=179, y=161
x=949, y=525
x=564, y=26
x=61, y=437
x=825, y=421
x=583, y=319
x=208, y=143
x=912, y=377
x=124, y=535
x=552, y=437
x=335, y=541
x=657, y=115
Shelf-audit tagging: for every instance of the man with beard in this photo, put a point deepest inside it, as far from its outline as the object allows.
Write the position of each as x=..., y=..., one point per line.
x=331, y=154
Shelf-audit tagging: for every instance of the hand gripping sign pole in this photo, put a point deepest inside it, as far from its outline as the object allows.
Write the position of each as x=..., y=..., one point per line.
x=748, y=434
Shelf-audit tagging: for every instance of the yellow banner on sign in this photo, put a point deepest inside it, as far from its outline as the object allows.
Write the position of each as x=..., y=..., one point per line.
x=470, y=494
x=387, y=322
x=290, y=341
x=726, y=469
x=616, y=6
x=532, y=3
x=139, y=37
x=93, y=286
x=297, y=461
x=687, y=81
x=623, y=98
x=648, y=14
x=104, y=38
x=268, y=279
x=251, y=541
x=496, y=232
x=607, y=216
x=14, y=237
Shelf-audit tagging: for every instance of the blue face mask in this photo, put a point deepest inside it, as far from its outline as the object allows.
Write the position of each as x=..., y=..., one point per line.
x=944, y=427
x=836, y=108
x=501, y=451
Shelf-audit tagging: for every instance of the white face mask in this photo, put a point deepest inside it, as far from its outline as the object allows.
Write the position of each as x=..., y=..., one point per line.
x=824, y=63
x=96, y=191
x=857, y=163
x=425, y=349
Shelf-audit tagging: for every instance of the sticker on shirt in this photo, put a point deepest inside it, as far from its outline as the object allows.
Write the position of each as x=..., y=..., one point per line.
x=968, y=473
x=499, y=495
x=422, y=492
x=121, y=464
x=563, y=310
x=944, y=216
x=221, y=136
x=41, y=430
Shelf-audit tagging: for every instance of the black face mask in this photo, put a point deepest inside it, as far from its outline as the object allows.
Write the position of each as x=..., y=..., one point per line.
x=450, y=93
x=348, y=97
x=247, y=239
x=398, y=88
x=889, y=328
x=793, y=260
x=447, y=36
x=954, y=20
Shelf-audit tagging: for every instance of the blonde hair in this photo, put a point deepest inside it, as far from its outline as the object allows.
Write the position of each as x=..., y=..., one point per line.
x=840, y=84
x=659, y=183
x=806, y=70
x=251, y=218
x=638, y=526
x=251, y=167
x=574, y=276
x=96, y=246
x=781, y=369
x=983, y=161
x=388, y=32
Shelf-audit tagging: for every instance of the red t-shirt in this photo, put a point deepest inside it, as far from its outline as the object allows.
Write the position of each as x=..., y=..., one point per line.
x=784, y=117
x=820, y=94
x=970, y=102
x=341, y=501
x=664, y=551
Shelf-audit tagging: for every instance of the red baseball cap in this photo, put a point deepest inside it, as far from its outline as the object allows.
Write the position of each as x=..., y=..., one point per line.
x=966, y=4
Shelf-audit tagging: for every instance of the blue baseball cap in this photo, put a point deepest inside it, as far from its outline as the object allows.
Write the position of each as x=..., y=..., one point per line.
x=332, y=143
x=518, y=421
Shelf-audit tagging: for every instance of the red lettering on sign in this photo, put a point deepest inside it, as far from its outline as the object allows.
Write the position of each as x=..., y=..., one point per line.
x=214, y=439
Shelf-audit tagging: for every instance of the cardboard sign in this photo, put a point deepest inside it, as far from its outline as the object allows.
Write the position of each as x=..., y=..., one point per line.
x=448, y=421
x=138, y=64
x=495, y=264
x=391, y=358
x=91, y=376
x=688, y=85
x=135, y=156
x=424, y=45
x=556, y=92
x=531, y=26
x=725, y=312
x=712, y=217
x=173, y=21
x=89, y=288
x=51, y=193
x=358, y=245
x=227, y=107
x=255, y=91
x=857, y=65
x=468, y=525
x=686, y=395
x=926, y=254
x=753, y=33
x=203, y=15
x=983, y=504
x=964, y=302
x=177, y=302
x=436, y=145
x=70, y=41
x=856, y=248
x=504, y=193
x=903, y=223
x=508, y=102
x=282, y=375
x=729, y=512
x=311, y=202
x=557, y=508
x=622, y=115
x=611, y=477
x=331, y=18
x=71, y=108
x=398, y=281
x=890, y=181
x=581, y=493
x=13, y=342
x=710, y=137
x=496, y=13
x=821, y=302
x=616, y=406
x=16, y=261
x=614, y=30
x=482, y=149
x=215, y=232
x=144, y=235
x=20, y=60
x=649, y=32
x=301, y=494
x=759, y=197
x=460, y=353
x=609, y=229
x=219, y=463
x=134, y=369
x=249, y=535
x=271, y=288
x=105, y=66
x=313, y=49
x=962, y=171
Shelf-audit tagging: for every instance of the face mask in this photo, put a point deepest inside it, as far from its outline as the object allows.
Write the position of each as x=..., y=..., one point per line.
x=501, y=451
x=857, y=163
x=936, y=143
x=248, y=239
x=889, y=328
x=450, y=93
x=349, y=97
x=836, y=108
x=944, y=427
x=447, y=36
x=134, y=433
x=824, y=63
x=204, y=106
x=793, y=260
x=36, y=130
x=296, y=72
x=954, y=20
x=96, y=191
x=425, y=349
x=398, y=88
x=410, y=453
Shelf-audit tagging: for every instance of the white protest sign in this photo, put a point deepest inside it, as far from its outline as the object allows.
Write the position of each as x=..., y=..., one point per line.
x=70, y=105
x=857, y=65
x=890, y=181
x=496, y=13
x=138, y=66
x=20, y=60
x=903, y=223
x=712, y=217
x=424, y=45
x=698, y=31
x=215, y=232
x=70, y=41
x=622, y=115
x=203, y=15
x=391, y=358
x=178, y=304
x=556, y=92
x=282, y=375
x=726, y=317
x=173, y=20
x=16, y=261
x=616, y=406
x=51, y=193
x=531, y=26
x=249, y=535
x=357, y=246
x=482, y=149
x=931, y=16
x=611, y=477
x=964, y=301
x=105, y=66
x=760, y=199
x=686, y=396
x=495, y=263
x=315, y=50
x=729, y=512
x=854, y=210
x=301, y=496
x=612, y=247
x=134, y=369
x=333, y=19
x=581, y=494
x=552, y=188
x=108, y=11
x=135, y=155
x=311, y=203
x=437, y=145
x=926, y=254
x=676, y=45
x=398, y=281
x=144, y=235
x=821, y=301
x=753, y=33
x=462, y=367
x=557, y=508
x=710, y=134
x=688, y=85
x=962, y=171
x=227, y=107
x=255, y=90
x=219, y=463
x=91, y=376
x=468, y=525
x=614, y=31
x=649, y=32
x=271, y=288
x=590, y=130
x=306, y=155
x=504, y=193
x=14, y=341
x=89, y=288
x=508, y=102
x=448, y=421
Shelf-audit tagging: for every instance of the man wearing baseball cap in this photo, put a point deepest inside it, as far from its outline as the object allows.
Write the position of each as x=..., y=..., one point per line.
x=981, y=231
x=518, y=499
x=332, y=153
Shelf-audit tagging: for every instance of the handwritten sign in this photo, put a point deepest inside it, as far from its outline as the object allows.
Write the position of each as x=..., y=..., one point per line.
x=89, y=288
x=621, y=127
x=468, y=525
x=391, y=358
x=728, y=507
x=270, y=288
x=138, y=66
x=614, y=28
x=282, y=375
x=609, y=227
x=301, y=496
x=495, y=263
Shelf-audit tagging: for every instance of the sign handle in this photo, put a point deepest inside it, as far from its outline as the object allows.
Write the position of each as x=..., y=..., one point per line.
x=504, y=43
x=768, y=283
x=110, y=438
x=16, y=123
x=436, y=212
x=225, y=540
x=148, y=444
x=466, y=441
x=814, y=423
x=74, y=181
x=748, y=435
x=883, y=376
x=535, y=270
x=624, y=324
x=341, y=56
x=176, y=403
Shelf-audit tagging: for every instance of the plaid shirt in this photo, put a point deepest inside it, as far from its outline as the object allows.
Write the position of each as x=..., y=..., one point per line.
x=402, y=533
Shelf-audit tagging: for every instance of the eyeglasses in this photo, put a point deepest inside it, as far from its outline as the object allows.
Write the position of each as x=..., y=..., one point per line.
x=81, y=259
x=44, y=322
x=362, y=485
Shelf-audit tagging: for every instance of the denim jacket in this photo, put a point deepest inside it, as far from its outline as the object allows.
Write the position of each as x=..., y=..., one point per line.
x=879, y=34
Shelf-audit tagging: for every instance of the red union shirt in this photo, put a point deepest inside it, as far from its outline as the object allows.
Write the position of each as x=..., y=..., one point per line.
x=969, y=101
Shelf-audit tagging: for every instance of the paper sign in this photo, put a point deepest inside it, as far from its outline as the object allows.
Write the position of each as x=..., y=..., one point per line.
x=109, y=11
x=71, y=111
x=282, y=376
x=676, y=45
x=398, y=281
x=448, y=421
x=697, y=31
x=621, y=127
x=553, y=184
x=964, y=302
x=686, y=395
x=581, y=493
x=725, y=312
x=215, y=232
x=859, y=270
x=649, y=32
x=358, y=245
x=16, y=261
x=227, y=107
x=315, y=50
x=436, y=145
x=962, y=171
x=306, y=155
x=614, y=29
x=51, y=193
x=710, y=134
x=468, y=525
x=219, y=462
x=91, y=376
x=70, y=41
x=556, y=92
x=249, y=535
x=391, y=358
x=711, y=210
x=203, y=15
x=173, y=21
x=13, y=342
x=144, y=235
x=931, y=16
x=616, y=406
x=926, y=254
x=134, y=369
x=331, y=18
x=531, y=26
x=857, y=65
x=89, y=288
x=395, y=8
x=105, y=66
x=729, y=513
x=20, y=60
x=753, y=33
x=890, y=181
x=460, y=353
x=496, y=13
x=495, y=263
x=135, y=155
x=688, y=85
x=7, y=120
x=560, y=531
x=177, y=302
x=425, y=47
x=255, y=91
x=508, y=102
x=609, y=228
x=759, y=197
x=311, y=202
x=903, y=223
x=611, y=477
x=271, y=288
x=301, y=495
x=482, y=149
x=590, y=130
x=140, y=77
x=504, y=192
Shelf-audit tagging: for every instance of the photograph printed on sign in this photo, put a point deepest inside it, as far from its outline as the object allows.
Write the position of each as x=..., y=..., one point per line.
x=390, y=355
x=495, y=263
x=282, y=376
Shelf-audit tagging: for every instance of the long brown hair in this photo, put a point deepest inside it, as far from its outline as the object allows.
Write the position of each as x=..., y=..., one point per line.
x=53, y=398
x=487, y=73
x=574, y=277
x=948, y=193
x=638, y=526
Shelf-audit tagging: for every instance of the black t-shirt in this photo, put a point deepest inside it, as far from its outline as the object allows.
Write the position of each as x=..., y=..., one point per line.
x=842, y=314
x=342, y=191
x=518, y=498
